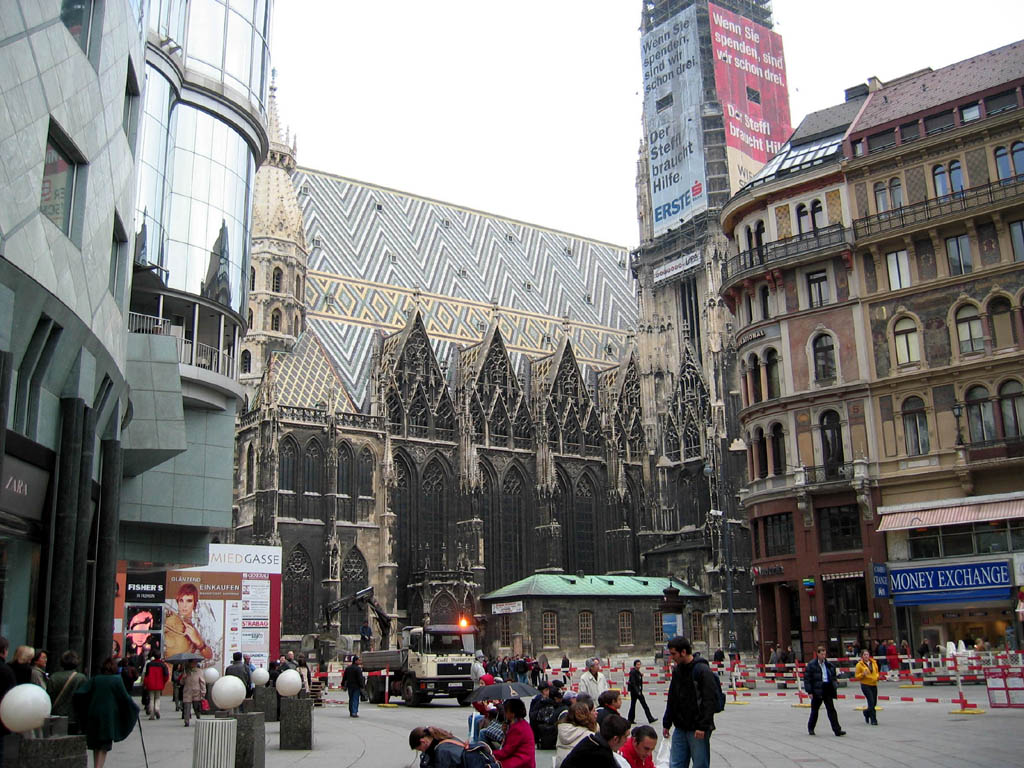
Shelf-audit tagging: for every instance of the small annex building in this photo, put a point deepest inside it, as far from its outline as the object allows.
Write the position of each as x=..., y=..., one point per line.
x=551, y=614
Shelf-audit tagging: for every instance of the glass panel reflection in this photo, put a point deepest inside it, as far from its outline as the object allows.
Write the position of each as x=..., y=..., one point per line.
x=157, y=124
x=58, y=191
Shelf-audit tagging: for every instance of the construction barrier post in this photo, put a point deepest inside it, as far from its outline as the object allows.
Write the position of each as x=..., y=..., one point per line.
x=732, y=686
x=801, y=695
x=386, y=674
x=965, y=707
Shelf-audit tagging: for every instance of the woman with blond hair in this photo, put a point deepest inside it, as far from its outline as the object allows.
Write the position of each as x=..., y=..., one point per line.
x=22, y=664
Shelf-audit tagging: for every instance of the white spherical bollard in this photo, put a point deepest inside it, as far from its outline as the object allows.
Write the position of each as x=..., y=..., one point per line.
x=260, y=677
x=25, y=707
x=210, y=675
x=228, y=692
x=289, y=683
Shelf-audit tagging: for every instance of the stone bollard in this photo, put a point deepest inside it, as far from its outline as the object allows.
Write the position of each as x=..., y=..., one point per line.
x=214, y=745
x=56, y=752
x=296, y=723
x=266, y=702
x=55, y=726
x=251, y=744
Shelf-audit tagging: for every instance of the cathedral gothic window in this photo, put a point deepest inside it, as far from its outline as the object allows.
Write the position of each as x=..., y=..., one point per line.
x=312, y=485
x=286, y=478
x=298, y=592
x=583, y=532
x=246, y=361
x=275, y=320
x=366, y=473
x=354, y=577
x=513, y=527
x=250, y=461
x=345, y=504
x=434, y=493
x=401, y=508
x=277, y=280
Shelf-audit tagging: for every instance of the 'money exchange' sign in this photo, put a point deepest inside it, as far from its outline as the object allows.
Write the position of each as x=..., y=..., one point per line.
x=959, y=582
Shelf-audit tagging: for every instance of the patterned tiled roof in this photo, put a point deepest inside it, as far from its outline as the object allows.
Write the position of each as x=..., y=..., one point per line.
x=933, y=88
x=377, y=253
x=304, y=376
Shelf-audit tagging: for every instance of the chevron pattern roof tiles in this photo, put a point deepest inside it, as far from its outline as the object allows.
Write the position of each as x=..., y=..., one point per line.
x=306, y=375
x=382, y=252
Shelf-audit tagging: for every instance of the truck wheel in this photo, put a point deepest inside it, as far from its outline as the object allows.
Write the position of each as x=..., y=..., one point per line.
x=375, y=691
x=464, y=699
x=409, y=693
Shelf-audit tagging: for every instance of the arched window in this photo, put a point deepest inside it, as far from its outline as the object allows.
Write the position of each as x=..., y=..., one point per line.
x=1017, y=156
x=759, y=240
x=277, y=281
x=400, y=500
x=246, y=361
x=1003, y=168
x=761, y=453
x=832, y=444
x=549, y=629
x=824, y=358
x=908, y=348
x=275, y=320
x=915, y=427
x=956, y=177
x=583, y=531
x=1011, y=404
x=881, y=197
x=755, y=379
x=586, y=622
x=697, y=626
x=435, y=517
x=778, y=450
x=312, y=479
x=444, y=609
x=771, y=363
x=248, y=318
x=298, y=287
x=817, y=215
x=765, y=309
x=252, y=278
x=344, y=477
x=298, y=593
x=366, y=472
x=1001, y=322
x=802, y=219
x=980, y=421
x=750, y=239
x=895, y=193
x=513, y=525
x=355, y=575
x=940, y=180
x=250, y=468
x=286, y=478
x=625, y=627
x=968, y=329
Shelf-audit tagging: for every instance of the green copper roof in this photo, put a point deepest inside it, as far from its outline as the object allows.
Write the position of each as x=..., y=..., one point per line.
x=568, y=585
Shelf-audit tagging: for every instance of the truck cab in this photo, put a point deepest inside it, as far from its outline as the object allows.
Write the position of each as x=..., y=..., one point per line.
x=431, y=661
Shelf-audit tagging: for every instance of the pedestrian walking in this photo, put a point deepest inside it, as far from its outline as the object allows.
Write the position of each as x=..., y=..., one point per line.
x=478, y=670
x=238, y=668
x=193, y=692
x=566, y=667
x=39, y=676
x=352, y=681
x=593, y=681
x=154, y=679
x=105, y=711
x=303, y=669
x=63, y=685
x=866, y=672
x=690, y=706
x=820, y=683
x=635, y=686
x=22, y=664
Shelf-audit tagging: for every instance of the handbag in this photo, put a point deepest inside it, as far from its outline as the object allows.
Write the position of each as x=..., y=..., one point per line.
x=205, y=705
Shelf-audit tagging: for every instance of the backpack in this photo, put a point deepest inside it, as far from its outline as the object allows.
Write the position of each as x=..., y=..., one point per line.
x=475, y=754
x=719, y=703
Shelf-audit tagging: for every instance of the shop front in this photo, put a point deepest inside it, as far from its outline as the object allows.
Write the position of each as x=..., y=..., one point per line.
x=969, y=599
x=23, y=498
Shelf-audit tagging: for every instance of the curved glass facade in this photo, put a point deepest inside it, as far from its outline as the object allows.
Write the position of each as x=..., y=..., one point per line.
x=225, y=40
x=195, y=198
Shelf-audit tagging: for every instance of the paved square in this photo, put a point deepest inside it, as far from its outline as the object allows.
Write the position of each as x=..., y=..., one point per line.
x=768, y=732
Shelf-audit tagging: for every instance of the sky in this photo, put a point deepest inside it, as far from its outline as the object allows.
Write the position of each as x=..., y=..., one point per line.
x=532, y=109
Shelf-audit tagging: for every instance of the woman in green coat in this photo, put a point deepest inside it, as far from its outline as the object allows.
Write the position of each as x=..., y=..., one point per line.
x=105, y=711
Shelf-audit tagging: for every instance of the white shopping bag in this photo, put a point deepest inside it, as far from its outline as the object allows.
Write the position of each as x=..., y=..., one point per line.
x=662, y=753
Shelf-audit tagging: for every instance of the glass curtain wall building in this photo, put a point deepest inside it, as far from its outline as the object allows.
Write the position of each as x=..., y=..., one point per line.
x=202, y=136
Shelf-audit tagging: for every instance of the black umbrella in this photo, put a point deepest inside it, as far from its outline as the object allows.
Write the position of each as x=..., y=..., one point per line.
x=181, y=658
x=502, y=691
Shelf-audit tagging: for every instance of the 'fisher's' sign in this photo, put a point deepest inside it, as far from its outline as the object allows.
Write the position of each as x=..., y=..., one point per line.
x=950, y=578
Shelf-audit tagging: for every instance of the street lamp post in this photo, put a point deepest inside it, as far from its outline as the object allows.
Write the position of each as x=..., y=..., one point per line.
x=958, y=411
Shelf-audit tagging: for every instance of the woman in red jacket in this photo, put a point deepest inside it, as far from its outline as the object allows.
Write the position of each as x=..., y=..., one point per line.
x=517, y=751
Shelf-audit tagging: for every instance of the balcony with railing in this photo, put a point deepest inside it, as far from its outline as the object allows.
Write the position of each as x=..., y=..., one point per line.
x=1011, y=447
x=140, y=323
x=932, y=212
x=828, y=473
x=775, y=254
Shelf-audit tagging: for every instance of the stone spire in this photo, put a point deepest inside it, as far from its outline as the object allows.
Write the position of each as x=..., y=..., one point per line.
x=276, y=211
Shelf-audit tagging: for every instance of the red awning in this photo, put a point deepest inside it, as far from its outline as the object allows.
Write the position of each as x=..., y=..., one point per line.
x=957, y=514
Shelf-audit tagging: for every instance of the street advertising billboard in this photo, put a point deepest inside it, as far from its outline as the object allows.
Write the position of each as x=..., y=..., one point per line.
x=750, y=79
x=673, y=93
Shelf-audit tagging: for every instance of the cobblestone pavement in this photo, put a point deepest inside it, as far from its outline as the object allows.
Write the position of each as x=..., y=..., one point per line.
x=769, y=731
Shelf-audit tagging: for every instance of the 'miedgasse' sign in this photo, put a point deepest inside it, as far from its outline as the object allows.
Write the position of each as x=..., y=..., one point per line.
x=950, y=577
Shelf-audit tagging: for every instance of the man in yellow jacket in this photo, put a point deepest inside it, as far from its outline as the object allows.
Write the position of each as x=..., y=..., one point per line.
x=867, y=673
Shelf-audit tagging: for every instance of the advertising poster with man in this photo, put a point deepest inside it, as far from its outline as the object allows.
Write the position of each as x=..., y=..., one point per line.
x=750, y=79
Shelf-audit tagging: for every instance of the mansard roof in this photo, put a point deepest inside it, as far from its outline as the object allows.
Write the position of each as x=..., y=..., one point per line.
x=303, y=376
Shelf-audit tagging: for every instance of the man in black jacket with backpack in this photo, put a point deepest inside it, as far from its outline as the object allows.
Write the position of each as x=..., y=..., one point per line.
x=693, y=697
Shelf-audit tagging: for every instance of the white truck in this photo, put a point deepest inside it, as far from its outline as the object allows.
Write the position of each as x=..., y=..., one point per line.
x=431, y=661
